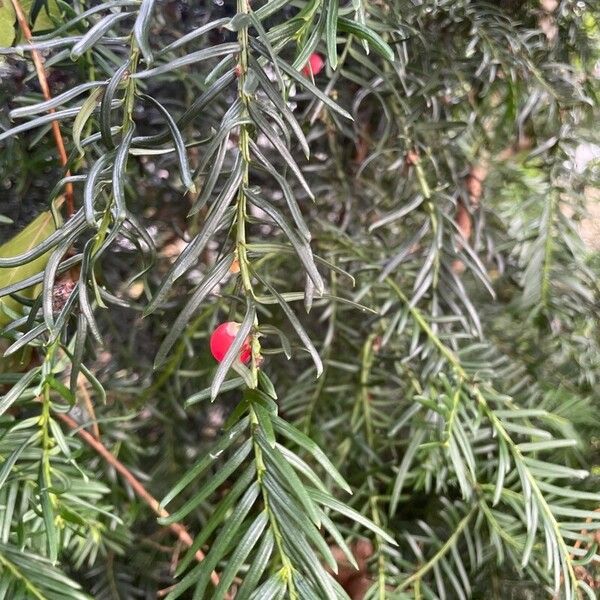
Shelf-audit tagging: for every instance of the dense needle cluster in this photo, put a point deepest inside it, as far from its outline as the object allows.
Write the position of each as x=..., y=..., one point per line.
x=303, y=309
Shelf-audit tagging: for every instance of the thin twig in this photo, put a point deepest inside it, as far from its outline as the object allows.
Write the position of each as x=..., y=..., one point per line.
x=583, y=532
x=179, y=530
x=41, y=75
x=474, y=183
x=89, y=405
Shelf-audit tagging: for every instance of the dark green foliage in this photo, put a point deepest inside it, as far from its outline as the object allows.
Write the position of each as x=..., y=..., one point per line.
x=398, y=237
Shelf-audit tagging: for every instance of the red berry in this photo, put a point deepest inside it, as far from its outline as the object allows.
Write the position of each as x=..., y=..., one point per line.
x=222, y=338
x=314, y=65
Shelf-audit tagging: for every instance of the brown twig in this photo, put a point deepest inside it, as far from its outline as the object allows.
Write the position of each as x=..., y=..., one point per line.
x=474, y=182
x=179, y=530
x=89, y=405
x=583, y=532
x=41, y=75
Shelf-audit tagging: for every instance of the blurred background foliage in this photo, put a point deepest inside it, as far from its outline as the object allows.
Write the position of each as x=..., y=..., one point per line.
x=427, y=257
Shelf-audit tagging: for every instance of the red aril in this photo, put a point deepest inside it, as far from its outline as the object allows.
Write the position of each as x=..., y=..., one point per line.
x=222, y=338
x=314, y=65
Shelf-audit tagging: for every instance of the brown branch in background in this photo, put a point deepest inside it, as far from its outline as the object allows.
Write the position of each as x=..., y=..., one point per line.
x=88, y=405
x=586, y=532
x=355, y=582
x=474, y=183
x=362, y=144
x=179, y=530
x=41, y=75
x=463, y=218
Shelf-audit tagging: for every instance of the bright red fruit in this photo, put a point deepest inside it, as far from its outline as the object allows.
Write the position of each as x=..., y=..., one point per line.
x=222, y=338
x=314, y=65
